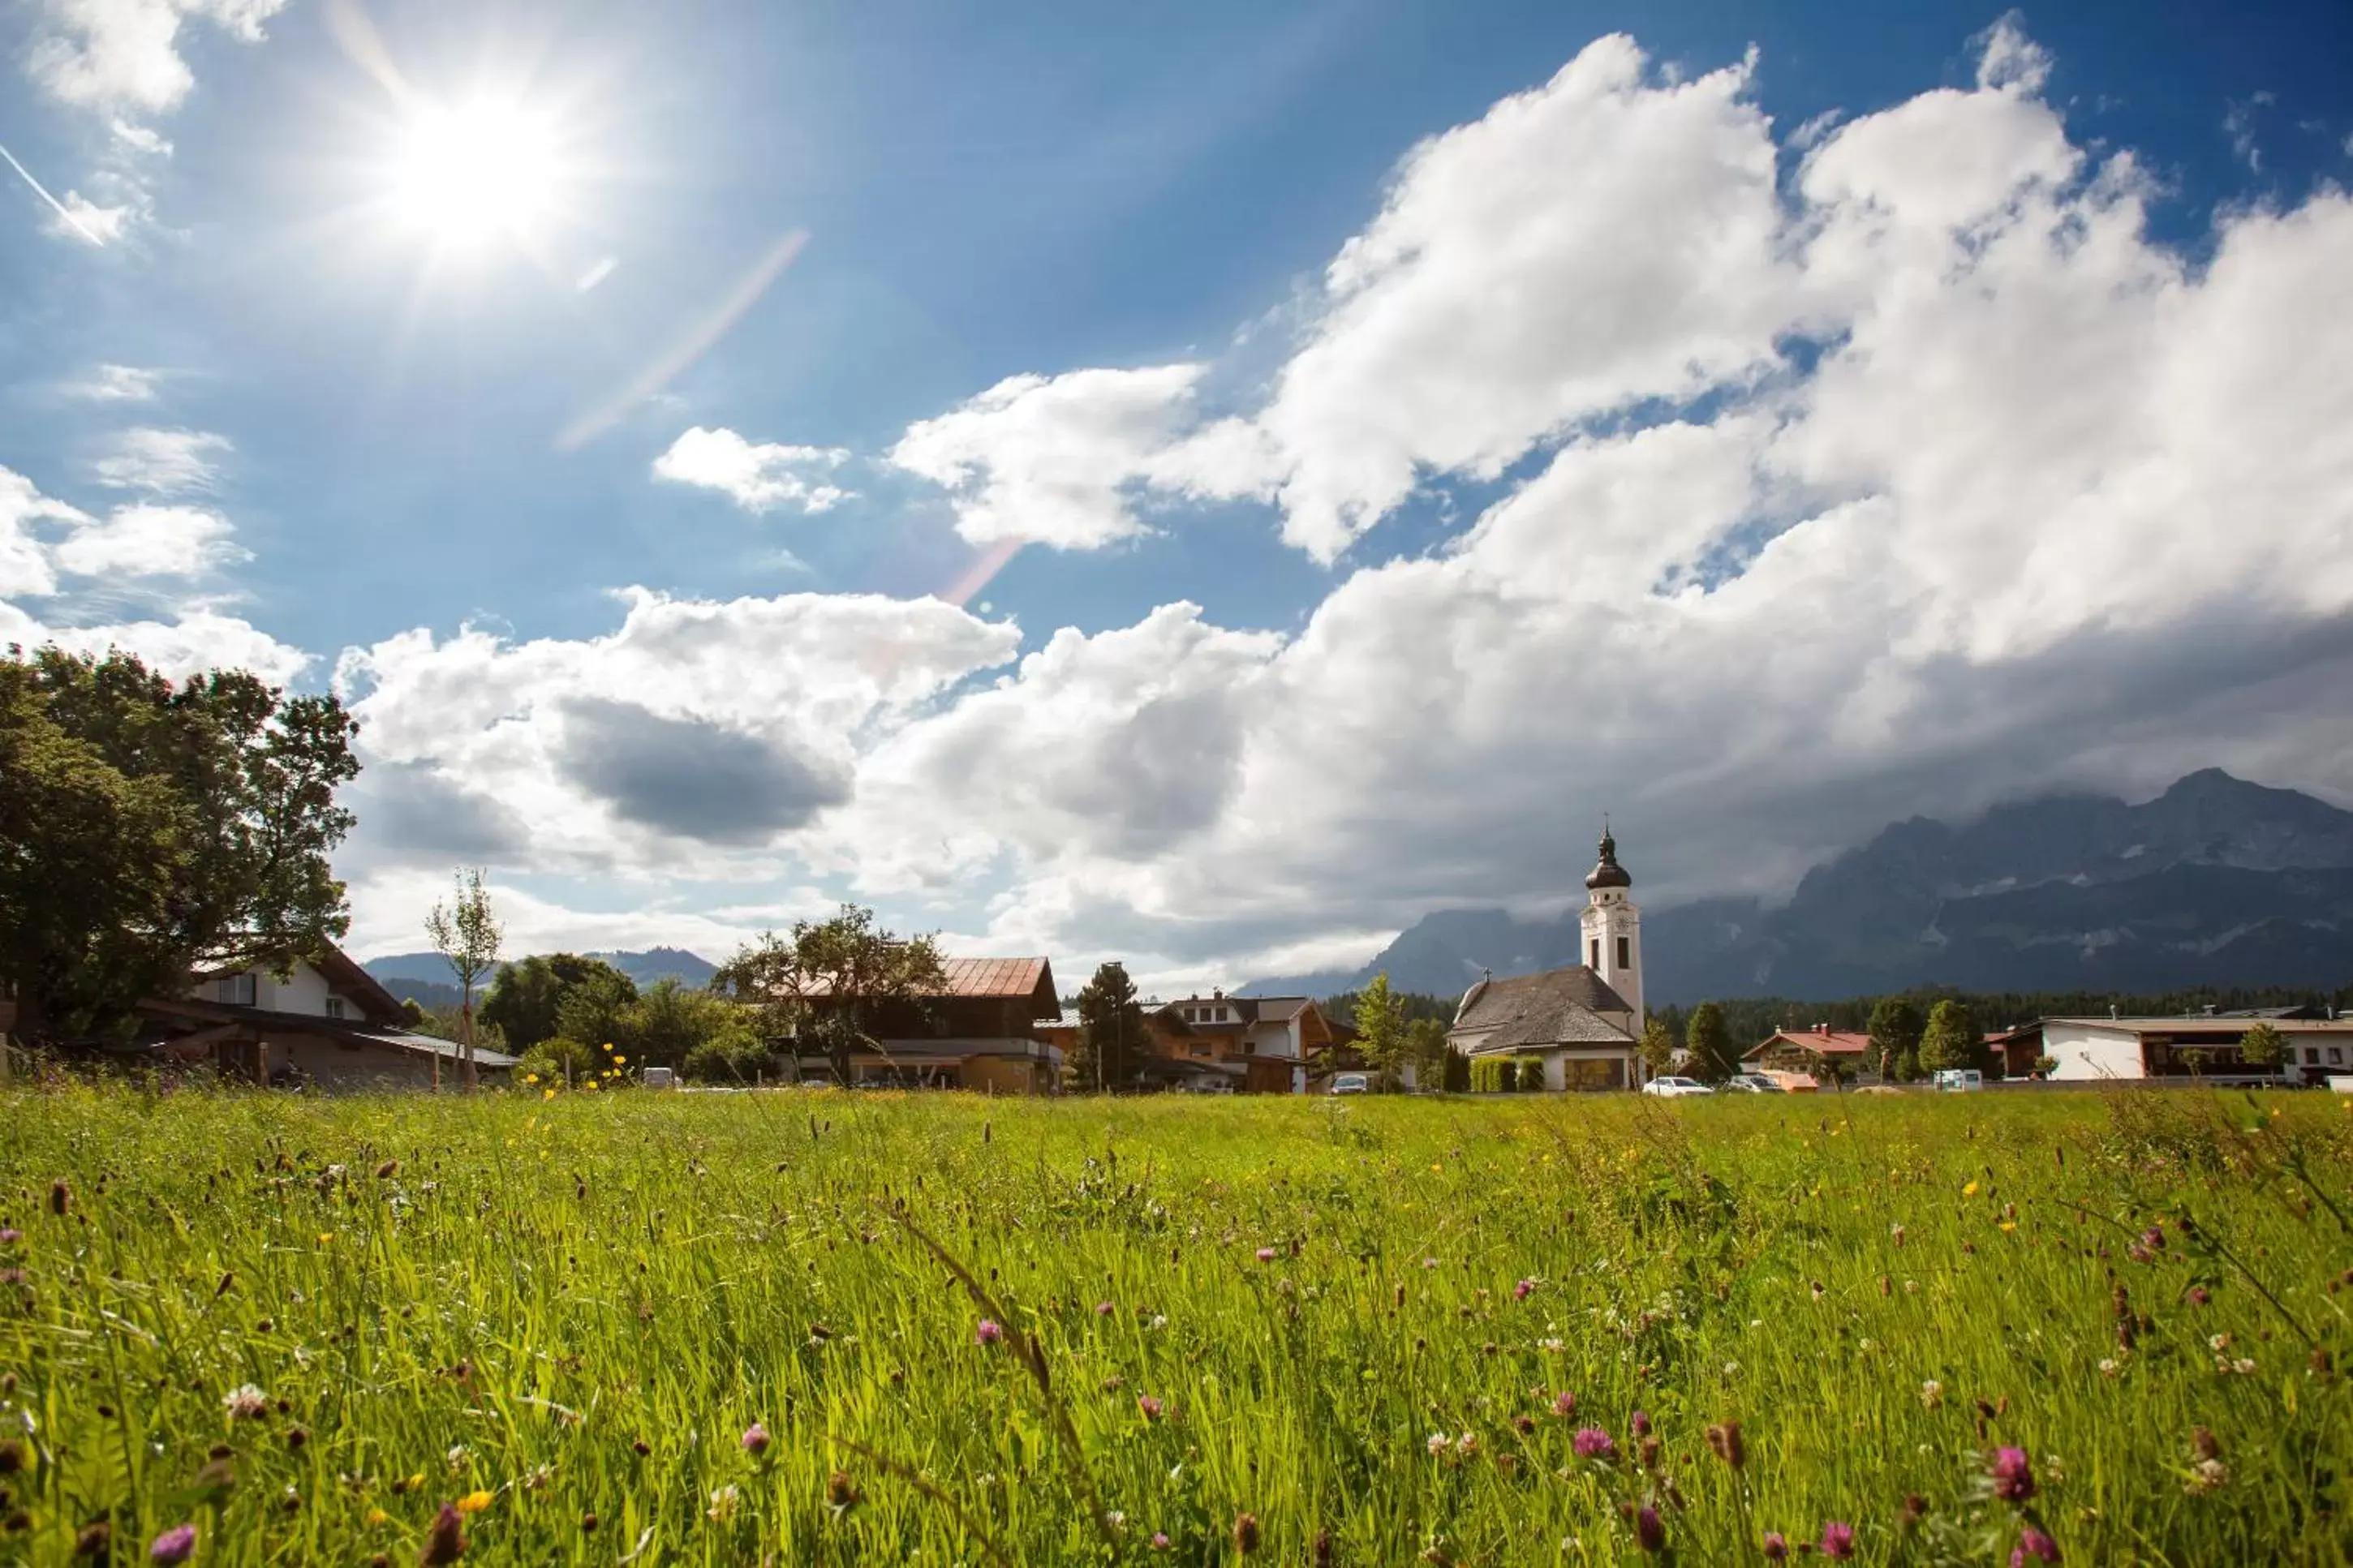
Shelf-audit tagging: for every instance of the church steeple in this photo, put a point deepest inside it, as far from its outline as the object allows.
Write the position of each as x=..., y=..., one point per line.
x=1613, y=928
x=1606, y=872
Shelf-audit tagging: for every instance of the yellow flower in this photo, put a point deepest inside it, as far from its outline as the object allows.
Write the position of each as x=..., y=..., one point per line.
x=547, y=1094
x=473, y=1502
x=326, y=1238
x=590, y=1086
x=608, y=1048
x=530, y=1078
x=1971, y=1190
x=624, y=1060
x=377, y=1516
x=2008, y=1225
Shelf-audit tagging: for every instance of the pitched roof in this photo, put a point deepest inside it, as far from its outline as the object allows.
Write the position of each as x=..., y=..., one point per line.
x=1559, y=1006
x=1012, y=977
x=344, y=974
x=1823, y=1043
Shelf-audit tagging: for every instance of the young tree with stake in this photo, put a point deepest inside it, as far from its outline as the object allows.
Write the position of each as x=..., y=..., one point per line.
x=467, y=933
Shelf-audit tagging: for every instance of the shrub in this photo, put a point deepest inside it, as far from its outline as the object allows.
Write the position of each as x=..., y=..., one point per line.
x=1530, y=1074
x=1492, y=1075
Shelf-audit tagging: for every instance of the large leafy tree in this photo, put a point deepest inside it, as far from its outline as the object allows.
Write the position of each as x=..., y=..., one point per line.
x=1895, y=1025
x=149, y=830
x=526, y=997
x=1111, y=1030
x=1951, y=1038
x=1381, y=1026
x=2262, y=1046
x=1710, y=1044
x=828, y=980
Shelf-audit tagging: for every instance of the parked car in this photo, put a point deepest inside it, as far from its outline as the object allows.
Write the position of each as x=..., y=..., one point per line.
x=1753, y=1083
x=1959, y=1080
x=1675, y=1088
x=1352, y=1083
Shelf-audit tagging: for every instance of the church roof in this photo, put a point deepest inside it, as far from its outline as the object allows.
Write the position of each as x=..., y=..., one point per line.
x=1606, y=872
x=1558, y=1007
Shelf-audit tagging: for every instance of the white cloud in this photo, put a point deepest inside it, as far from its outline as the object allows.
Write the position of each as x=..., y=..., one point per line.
x=1052, y=459
x=147, y=540
x=757, y=476
x=2008, y=59
x=124, y=56
x=162, y=462
x=26, y=566
x=116, y=384
x=79, y=217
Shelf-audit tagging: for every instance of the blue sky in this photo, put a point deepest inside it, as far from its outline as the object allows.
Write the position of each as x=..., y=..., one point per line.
x=1357, y=476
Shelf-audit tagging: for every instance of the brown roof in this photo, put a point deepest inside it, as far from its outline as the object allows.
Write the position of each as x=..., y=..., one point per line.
x=1558, y=1007
x=343, y=975
x=995, y=976
x=1830, y=1043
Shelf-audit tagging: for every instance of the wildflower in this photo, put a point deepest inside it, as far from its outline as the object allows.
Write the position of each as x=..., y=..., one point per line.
x=446, y=1541
x=95, y=1540
x=724, y=1502
x=1932, y=1394
x=1641, y=1424
x=1564, y=1403
x=841, y=1492
x=1838, y=1539
x=989, y=1331
x=2243, y=1367
x=530, y=1078
x=61, y=1201
x=2206, y=1476
x=1266, y=1255
x=176, y=1544
x=620, y=1061
x=1148, y=1405
x=1520, y=1291
x=1593, y=1443
x=2110, y=1367
x=755, y=1439
x=1159, y=1540
x=474, y=1501
x=2217, y=1343
x=2013, y=1475
x=1649, y=1531
x=2153, y=1239
x=1466, y=1445
x=1103, y=1308
x=1896, y=1233
x=1723, y=1440
x=1430, y=1263
x=11, y=1456
x=2008, y=1225
x=2033, y=1542
x=1776, y=1546
x=246, y=1403
x=548, y=1093
x=375, y=1517
x=2204, y=1444
x=1915, y=1508
x=1435, y=1443
x=1970, y=1191
x=10, y=1236
x=1245, y=1533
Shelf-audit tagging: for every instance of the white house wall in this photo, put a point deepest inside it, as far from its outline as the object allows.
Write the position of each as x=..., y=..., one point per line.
x=2085, y=1053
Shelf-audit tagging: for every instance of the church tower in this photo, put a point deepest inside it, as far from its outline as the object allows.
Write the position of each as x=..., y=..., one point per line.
x=1613, y=929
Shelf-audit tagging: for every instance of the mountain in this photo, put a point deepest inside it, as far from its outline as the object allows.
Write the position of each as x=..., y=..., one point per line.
x=2215, y=882
x=408, y=975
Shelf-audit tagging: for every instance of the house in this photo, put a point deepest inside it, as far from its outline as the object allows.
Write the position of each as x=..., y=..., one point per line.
x=980, y=1029
x=2201, y=1045
x=1584, y=1022
x=1273, y=1040
x=324, y=1023
x=1807, y=1051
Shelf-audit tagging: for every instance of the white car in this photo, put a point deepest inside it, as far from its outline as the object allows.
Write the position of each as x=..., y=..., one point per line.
x=1352, y=1083
x=1675, y=1088
x=1959, y=1080
x=1753, y=1083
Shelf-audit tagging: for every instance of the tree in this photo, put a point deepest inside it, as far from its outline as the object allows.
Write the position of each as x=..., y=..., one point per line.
x=2262, y=1046
x=150, y=831
x=526, y=998
x=600, y=1009
x=669, y=1022
x=1709, y=1042
x=1379, y=1023
x=1951, y=1038
x=826, y=981
x=1426, y=1048
x=1658, y=1047
x=466, y=932
x=1895, y=1025
x=1111, y=1029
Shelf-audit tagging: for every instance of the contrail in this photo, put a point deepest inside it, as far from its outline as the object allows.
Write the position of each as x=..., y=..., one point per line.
x=42, y=191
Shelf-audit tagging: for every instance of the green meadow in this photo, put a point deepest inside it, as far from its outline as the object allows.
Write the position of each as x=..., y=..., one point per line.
x=512, y=1330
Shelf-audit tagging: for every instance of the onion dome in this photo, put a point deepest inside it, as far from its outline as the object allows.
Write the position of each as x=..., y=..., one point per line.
x=1608, y=873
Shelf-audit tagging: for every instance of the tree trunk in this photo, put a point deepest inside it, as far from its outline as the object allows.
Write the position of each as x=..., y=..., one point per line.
x=465, y=1033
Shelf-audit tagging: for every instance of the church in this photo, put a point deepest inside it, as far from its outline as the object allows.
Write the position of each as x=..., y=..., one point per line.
x=1585, y=1022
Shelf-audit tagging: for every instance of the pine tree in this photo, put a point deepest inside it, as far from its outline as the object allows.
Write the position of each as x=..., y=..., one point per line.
x=1709, y=1042
x=1951, y=1038
x=1111, y=1030
x=1380, y=1030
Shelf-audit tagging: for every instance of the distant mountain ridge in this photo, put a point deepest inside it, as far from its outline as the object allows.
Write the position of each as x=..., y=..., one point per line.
x=2217, y=881
x=417, y=973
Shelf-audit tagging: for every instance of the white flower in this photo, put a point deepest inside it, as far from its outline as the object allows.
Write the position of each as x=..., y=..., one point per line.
x=2243, y=1367
x=1466, y=1445
x=2110, y=1367
x=2217, y=1343
x=1732, y=1369
x=1932, y=1394
x=723, y=1504
x=246, y=1403
x=1435, y=1443
x=1159, y=1321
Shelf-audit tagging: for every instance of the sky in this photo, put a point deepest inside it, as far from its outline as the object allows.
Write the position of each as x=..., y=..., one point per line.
x=1202, y=486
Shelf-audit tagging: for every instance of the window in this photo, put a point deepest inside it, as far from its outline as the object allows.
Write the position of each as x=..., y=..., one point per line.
x=2312, y=1056
x=1625, y=952
x=1593, y=953
x=237, y=990
x=334, y=1007
x=2336, y=1056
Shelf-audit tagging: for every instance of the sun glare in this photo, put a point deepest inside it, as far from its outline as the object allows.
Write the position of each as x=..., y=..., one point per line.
x=466, y=173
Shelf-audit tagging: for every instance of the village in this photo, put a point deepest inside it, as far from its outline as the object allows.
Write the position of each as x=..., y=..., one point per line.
x=1000, y=1026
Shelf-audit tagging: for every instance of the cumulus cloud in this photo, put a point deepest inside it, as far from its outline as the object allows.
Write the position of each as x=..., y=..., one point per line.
x=162, y=462
x=124, y=55
x=1054, y=459
x=116, y=384
x=147, y=540
x=689, y=777
x=756, y=476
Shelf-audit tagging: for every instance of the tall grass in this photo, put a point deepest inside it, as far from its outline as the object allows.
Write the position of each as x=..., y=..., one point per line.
x=1353, y=1323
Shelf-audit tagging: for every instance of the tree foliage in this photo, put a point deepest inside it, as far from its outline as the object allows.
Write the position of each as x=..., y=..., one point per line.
x=2262, y=1046
x=1895, y=1026
x=1713, y=1056
x=1381, y=1026
x=1111, y=1031
x=526, y=997
x=1658, y=1047
x=1951, y=1038
x=149, y=831
x=467, y=933
x=823, y=984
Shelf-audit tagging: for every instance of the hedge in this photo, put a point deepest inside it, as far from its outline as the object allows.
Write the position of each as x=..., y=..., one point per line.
x=1507, y=1075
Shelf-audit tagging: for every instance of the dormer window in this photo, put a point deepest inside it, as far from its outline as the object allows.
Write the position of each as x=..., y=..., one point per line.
x=236, y=990
x=335, y=1007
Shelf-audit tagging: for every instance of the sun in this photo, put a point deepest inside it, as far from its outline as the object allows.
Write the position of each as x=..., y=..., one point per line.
x=464, y=174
